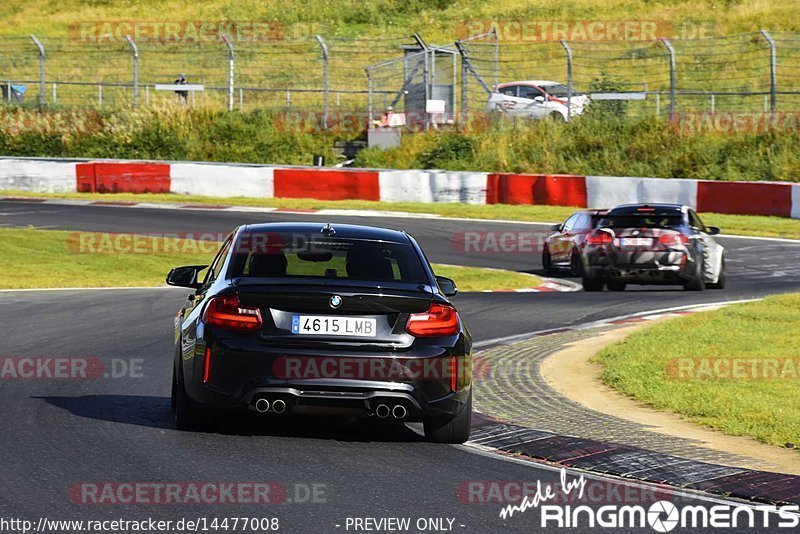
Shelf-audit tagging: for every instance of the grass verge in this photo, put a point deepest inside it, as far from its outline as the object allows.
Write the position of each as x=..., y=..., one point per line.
x=752, y=225
x=735, y=369
x=51, y=258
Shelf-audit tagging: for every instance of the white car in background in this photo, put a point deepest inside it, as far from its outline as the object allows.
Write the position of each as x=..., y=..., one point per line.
x=536, y=99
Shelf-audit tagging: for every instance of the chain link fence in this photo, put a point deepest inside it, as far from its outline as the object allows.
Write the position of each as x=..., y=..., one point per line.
x=751, y=72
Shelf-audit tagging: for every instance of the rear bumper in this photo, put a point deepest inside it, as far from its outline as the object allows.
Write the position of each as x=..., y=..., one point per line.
x=380, y=403
x=330, y=382
x=644, y=267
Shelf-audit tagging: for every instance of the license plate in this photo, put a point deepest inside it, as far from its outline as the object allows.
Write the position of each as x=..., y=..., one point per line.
x=320, y=325
x=635, y=242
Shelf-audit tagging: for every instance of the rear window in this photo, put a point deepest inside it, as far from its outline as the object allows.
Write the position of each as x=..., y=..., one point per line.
x=645, y=220
x=596, y=219
x=559, y=90
x=303, y=256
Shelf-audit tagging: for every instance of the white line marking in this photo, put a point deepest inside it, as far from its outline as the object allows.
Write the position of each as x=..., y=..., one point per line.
x=346, y=212
x=707, y=306
x=778, y=239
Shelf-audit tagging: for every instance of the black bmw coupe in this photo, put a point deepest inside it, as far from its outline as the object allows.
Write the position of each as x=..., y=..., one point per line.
x=310, y=318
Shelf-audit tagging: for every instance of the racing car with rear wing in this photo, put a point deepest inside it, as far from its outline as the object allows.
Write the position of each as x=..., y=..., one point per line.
x=665, y=244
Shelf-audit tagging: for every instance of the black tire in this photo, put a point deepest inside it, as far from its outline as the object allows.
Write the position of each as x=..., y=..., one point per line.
x=697, y=283
x=186, y=413
x=576, y=263
x=616, y=286
x=450, y=430
x=720, y=283
x=547, y=262
x=557, y=117
x=592, y=283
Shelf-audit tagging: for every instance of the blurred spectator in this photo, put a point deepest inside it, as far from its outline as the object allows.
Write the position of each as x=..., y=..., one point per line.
x=390, y=119
x=182, y=95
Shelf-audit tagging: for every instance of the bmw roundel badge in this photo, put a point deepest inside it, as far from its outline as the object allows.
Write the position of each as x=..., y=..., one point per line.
x=336, y=301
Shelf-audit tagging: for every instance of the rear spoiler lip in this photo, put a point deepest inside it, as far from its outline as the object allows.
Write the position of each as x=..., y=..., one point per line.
x=406, y=287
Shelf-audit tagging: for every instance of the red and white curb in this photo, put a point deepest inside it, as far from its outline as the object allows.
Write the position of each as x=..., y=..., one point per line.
x=550, y=285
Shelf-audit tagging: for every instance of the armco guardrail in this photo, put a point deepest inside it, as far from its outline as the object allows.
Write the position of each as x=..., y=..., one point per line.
x=268, y=181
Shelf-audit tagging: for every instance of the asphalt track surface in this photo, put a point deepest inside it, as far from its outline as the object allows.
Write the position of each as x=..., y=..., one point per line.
x=58, y=433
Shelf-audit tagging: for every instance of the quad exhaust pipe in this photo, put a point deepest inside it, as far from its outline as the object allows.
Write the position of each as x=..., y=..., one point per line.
x=262, y=405
x=277, y=406
x=398, y=411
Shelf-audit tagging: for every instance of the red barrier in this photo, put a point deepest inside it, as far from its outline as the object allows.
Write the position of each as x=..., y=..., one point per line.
x=326, y=185
x=549, y=190
x=123, y=178
x=745, y=198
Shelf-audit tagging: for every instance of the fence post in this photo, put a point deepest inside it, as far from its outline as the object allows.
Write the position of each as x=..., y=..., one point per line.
x=470, y=68
x=671, y=51
x=425, y=79
x=773, y=94
x=229, y=44
x=496, y=57
x=135, y=51
x=369, y=96
x=42, y=85
x=324, y=50
x=568, y=50
x=426, y=74
x=464, y=80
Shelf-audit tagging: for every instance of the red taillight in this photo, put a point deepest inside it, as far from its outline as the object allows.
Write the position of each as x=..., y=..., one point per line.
x=207, y=365
x=439, y=320
x=226, y=312
x=599, y=237
x=673, y=239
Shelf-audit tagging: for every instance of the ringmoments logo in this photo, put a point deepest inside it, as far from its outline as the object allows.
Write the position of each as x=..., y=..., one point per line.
x=660, y=516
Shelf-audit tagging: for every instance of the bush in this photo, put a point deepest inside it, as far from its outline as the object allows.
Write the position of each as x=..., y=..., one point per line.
x=606, y=145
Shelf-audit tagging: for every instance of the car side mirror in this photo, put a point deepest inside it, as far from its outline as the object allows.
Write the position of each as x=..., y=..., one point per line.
x=713, y=230
x=555, y=228
x=539, y=99
x=447, y=286
x=185, y=276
